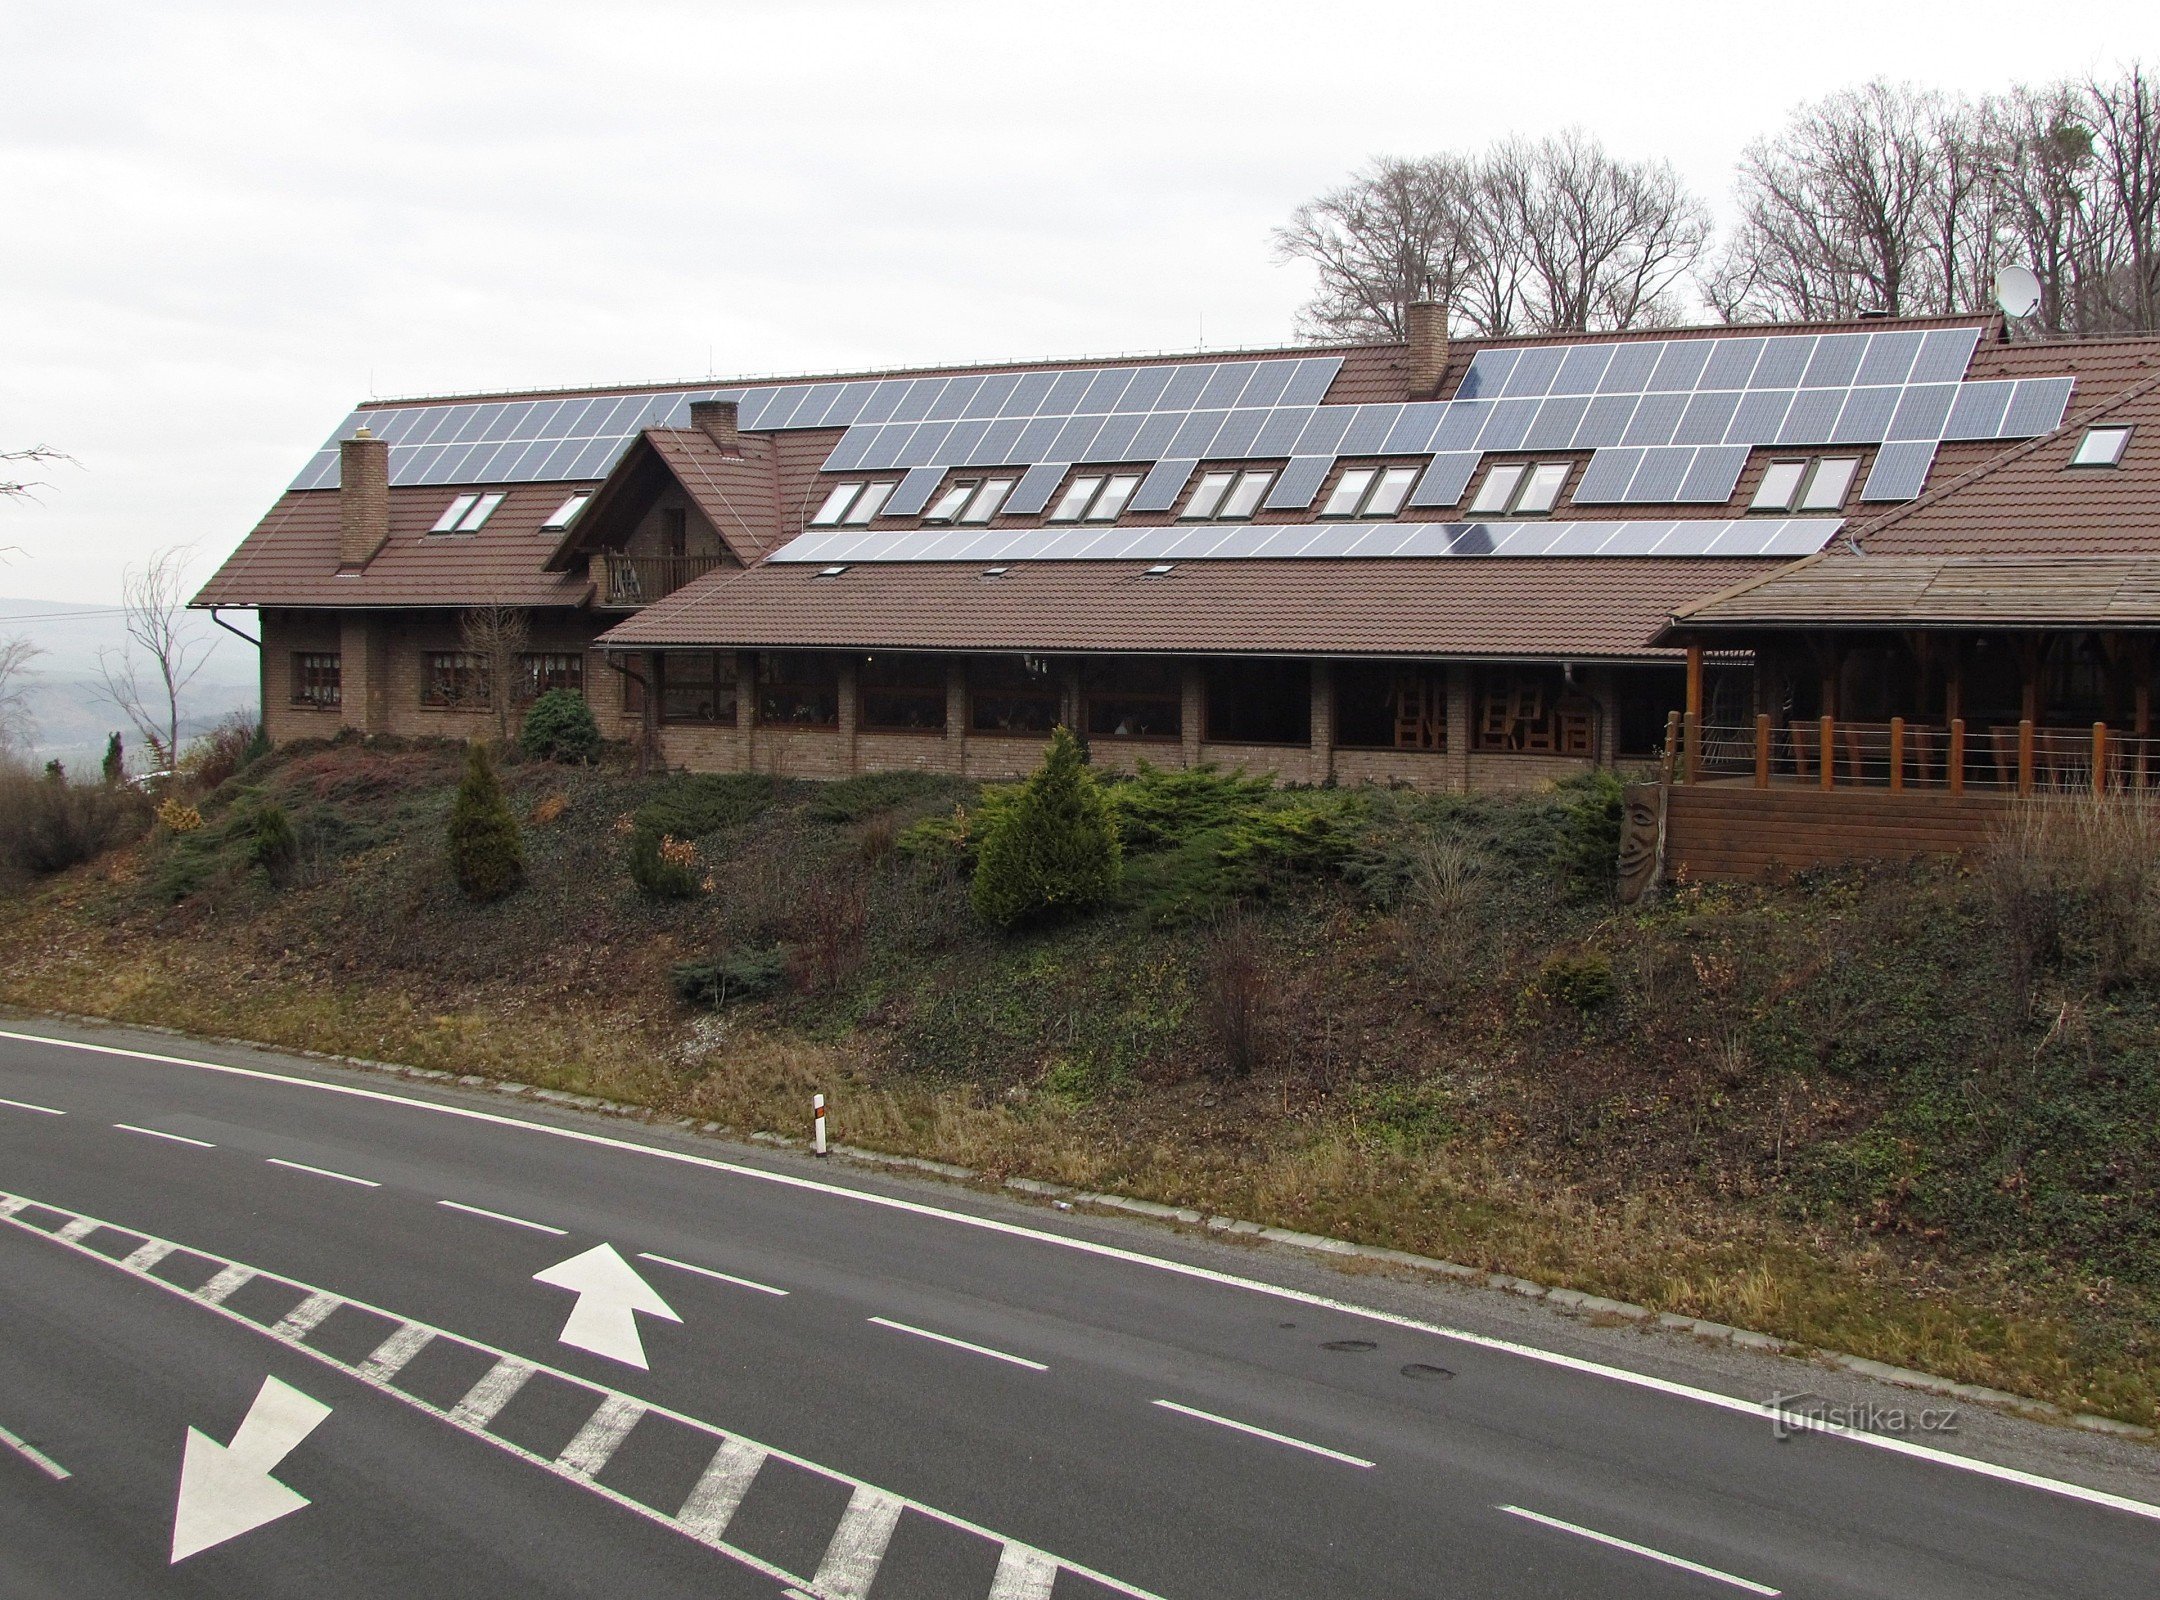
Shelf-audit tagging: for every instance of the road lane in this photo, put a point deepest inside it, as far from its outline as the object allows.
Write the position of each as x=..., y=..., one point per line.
x=1076, y=1454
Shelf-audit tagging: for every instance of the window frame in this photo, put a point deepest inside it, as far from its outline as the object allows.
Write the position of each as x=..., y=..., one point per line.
x=1235, y=679
x=953, y=500
x=1044, y=689
x=1115, y=698
x=537, y=667
x=1519, y=498
x=2119, y=431
x=444, y=676
x=1799, y=470
x=318, y=679
x=832, y=512
x=566, y=513
x=1241, y=487
x=768, y=682
x=1848, y=468
x=724, y=677
x=931, y=685
x=1361, y=491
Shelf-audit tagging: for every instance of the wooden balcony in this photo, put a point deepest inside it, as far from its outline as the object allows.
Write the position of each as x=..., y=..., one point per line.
x=625, y=583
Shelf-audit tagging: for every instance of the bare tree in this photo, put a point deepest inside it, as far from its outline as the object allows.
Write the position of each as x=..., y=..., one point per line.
x=13, y=488
x=496, y=637
x=16, y=725
x=1547, y=236
x=147, y=676
x=2044, y=205
x=2126, y=120
x=1869, y=200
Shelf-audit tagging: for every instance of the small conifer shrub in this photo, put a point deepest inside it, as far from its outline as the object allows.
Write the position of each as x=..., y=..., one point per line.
x=486, y=857
x=1053, y=851
x=560, y=727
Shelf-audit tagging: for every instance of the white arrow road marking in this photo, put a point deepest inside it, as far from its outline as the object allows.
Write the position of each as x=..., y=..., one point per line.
x=226, y=1489
x=610, y=1294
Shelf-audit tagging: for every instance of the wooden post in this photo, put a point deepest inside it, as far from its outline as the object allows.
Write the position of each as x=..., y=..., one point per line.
x=1897, y=755
x=1957, y=755
x=2025, y=755
x=1672, y=747
x=1762, y=750
x=2099, y=759
x=1692, y=733
x=2141, y=701
x=1829, y=751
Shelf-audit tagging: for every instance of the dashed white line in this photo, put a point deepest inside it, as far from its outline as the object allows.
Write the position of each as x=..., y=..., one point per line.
x=1267, y=1433
x=708, y=1272
x=36, y=1457
x=503, y=1216
x=24, y=1105
x=1633, y=1549
x=1557, y=1360
x=157, y=1133
x=960, y=1344
x=322, y=1172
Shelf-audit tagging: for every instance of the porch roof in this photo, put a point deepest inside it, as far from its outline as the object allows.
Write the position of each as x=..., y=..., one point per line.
x=1935, y=591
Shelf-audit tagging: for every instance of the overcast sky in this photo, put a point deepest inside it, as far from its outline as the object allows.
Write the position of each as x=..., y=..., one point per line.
x=226, y=222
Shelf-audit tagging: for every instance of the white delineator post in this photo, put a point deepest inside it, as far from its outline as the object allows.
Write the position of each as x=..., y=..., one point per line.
x=817, y=1114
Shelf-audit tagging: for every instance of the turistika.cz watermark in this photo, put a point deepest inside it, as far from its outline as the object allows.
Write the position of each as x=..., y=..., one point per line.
x=1800, y=1413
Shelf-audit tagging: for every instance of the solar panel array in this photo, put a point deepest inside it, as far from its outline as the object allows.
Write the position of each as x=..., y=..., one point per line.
x=966, y=418
x=1752, y=536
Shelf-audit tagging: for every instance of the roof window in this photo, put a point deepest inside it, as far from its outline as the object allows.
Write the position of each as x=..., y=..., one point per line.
x=853, y=504
x=2101, y=447
x=468, y=513
x=830, y=572
x=995, y=572
x=1094, y=497
x=1161, y=569
x=1370, y=492
x=970, y=500
x=1520, y=489
x=565, y=514
x=1818, y=485
x=1226, y=496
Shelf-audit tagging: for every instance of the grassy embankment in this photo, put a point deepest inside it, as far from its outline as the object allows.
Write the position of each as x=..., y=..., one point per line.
x=1913, y=1114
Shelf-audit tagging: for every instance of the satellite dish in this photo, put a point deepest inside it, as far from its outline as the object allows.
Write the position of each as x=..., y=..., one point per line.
x=2017, y=291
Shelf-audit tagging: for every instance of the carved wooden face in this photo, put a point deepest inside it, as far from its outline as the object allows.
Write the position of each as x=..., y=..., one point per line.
x=1641, y=846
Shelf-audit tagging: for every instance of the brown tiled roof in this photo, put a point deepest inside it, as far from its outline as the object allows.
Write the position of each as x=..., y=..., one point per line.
x=1942, y=591
x=1579, y=609
x=291, y=558
x=737, y=493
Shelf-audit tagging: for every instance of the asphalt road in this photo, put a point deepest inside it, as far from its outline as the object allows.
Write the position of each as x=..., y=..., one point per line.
x=356, y=1289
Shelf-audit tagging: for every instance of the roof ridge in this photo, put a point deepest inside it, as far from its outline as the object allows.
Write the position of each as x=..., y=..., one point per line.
x=1996, y=463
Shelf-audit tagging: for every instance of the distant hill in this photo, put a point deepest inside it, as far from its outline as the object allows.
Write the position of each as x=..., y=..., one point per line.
x=67, y=693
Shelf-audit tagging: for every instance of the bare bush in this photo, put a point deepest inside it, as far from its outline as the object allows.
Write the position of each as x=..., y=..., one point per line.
x=220, y=753
x=496, y=637
x=1231, y=1003
x=2078, y=880
x=146, y=677
x=833, y=918
x=16, y=725
x=48, y=824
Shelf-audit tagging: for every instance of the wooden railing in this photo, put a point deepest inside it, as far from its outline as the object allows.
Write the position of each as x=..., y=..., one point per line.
x=1826, y=752
x=628, y=582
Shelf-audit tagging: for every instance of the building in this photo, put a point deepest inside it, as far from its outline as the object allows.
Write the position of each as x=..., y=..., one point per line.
x=1449, y=564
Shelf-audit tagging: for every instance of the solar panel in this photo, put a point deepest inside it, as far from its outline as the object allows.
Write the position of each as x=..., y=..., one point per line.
x=1446, y=479
x=1605, y=480
x=914, y=492
x=1900, y=470
x=1035, y=488
x=1748, y=537
x=1299, y=482
x=1159, y=491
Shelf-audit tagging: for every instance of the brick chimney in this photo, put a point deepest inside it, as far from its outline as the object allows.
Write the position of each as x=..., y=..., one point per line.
x=716, y=420
x=363, y=498
x=1426, y=323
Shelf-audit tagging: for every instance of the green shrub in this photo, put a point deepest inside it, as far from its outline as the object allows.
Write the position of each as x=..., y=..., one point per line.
x=1053, y=850
x=560, y=727
x=1587, y=851
x=115, y=765
x=691, y=807
x=270, y=841
x=1582, y=979
x=664, y=866
x=952, y=840
x=859, y=798
x=747, y=974
x=485, y=855
x=1156, y=810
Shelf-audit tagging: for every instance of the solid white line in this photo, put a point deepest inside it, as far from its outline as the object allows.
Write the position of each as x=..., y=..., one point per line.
x=176, y=1138
x=960, y=1344
x=707, y=1272
x=1265, y=1433
x=322, y=1172
x=24, y=1105
x=500, y=1216
x=1763, y=1410
x=36, y=1457
x=1634, y=1549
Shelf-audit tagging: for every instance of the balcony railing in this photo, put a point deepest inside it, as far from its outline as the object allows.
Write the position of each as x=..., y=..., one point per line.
x=628, y=582
x=1832, y=753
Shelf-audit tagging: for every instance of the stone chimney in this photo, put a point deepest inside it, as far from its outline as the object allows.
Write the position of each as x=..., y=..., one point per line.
x=363, y=498
x=716, y=420
x=1426, y=323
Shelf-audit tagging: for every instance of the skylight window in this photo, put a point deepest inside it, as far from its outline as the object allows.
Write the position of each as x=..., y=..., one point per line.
x=1094, y=497
x=1370, y=492
x=952, y=502
x=987, y=499
x=836, y=504
x=1160, y=570
x=852, y=504
x=565, y=514
x=871, y=502
x=1519, y=489
x=2101, y=447
x=1226, y=496
x=467, y=513
x=830, y=572
x=1819, y=485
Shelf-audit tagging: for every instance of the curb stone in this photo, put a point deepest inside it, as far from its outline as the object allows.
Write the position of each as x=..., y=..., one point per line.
x=1571, y=1301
